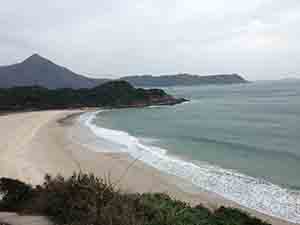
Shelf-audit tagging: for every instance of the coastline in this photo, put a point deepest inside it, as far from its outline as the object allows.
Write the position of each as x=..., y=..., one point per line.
x=53, y=146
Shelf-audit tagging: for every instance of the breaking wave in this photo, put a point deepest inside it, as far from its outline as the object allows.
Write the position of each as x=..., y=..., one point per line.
x=247, y=191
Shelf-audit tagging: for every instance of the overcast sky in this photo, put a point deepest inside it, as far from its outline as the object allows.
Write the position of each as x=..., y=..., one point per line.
x=258, y=39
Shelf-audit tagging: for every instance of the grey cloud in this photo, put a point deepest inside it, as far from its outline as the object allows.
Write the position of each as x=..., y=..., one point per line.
x=257, y=38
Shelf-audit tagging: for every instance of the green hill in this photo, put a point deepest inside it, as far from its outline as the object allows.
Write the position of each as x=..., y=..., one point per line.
x=109, y=94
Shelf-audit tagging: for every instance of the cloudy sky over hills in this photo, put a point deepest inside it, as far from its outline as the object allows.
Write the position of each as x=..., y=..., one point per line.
x=258, y=39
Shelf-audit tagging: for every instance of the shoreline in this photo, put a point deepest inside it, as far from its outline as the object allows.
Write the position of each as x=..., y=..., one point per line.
x=195, y=176
x=53, y=146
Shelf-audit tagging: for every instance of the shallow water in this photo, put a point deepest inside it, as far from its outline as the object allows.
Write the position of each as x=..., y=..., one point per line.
x=240, y=141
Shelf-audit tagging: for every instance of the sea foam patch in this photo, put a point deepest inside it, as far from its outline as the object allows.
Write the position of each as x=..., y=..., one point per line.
x=247, y=191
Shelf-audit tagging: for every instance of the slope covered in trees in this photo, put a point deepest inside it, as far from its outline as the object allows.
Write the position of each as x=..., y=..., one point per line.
x=110, y=94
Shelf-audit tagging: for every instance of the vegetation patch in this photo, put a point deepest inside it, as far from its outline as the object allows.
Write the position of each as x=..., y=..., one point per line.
x=110, y=94
x=84, y=199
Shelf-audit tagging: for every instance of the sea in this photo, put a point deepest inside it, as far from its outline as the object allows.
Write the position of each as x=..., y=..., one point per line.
x=239, y=141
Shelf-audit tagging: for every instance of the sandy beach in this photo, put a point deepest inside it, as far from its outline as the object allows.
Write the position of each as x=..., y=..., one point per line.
x=33, y=144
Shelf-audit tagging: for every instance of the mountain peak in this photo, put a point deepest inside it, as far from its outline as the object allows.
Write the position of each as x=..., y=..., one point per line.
x=35, y=55
x=36, y=58
x=37, y=70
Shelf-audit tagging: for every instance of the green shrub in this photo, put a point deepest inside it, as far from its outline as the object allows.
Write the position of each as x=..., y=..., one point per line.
x=14, y=194
x=85, y=199
x=161, y=209
x=224, y=216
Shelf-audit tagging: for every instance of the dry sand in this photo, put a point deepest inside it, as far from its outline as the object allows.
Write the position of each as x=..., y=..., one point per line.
x=33, y=144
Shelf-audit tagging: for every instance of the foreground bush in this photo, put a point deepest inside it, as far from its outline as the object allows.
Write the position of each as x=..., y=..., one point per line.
x=85, y=199
x=15, y=194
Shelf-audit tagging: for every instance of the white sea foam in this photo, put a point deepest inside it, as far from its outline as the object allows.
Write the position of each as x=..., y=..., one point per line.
x=253, y=193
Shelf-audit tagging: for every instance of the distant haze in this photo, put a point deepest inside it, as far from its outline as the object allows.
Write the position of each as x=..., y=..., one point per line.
x=258, y=39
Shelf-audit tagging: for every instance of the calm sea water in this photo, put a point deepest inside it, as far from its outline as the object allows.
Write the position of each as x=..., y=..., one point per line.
x=240, y=141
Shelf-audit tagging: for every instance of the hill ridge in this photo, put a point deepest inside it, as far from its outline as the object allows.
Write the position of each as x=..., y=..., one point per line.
x=37, y=70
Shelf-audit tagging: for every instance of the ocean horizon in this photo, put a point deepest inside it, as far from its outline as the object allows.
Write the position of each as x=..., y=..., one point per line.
x=238, y=141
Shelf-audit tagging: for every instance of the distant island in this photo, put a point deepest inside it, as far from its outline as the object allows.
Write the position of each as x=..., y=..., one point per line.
x=184, y=79
x=39, y=71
